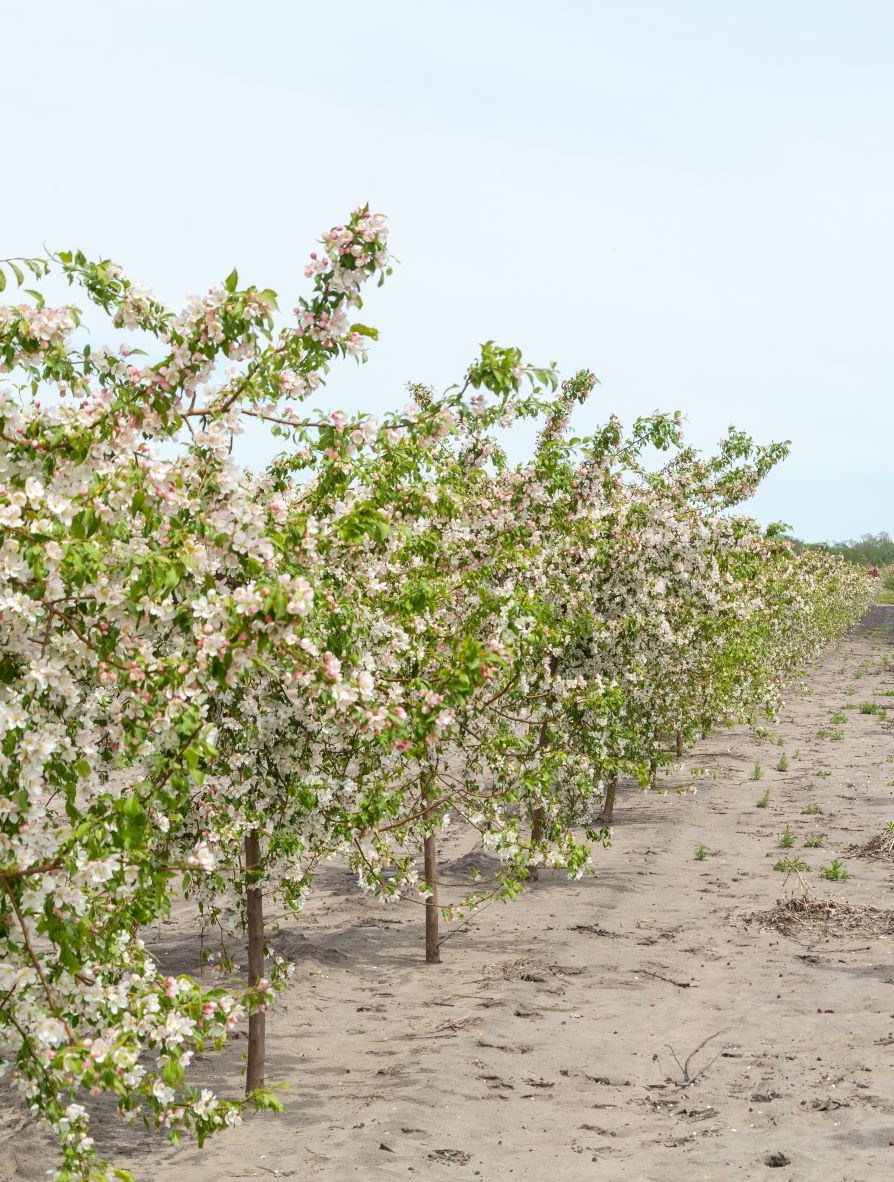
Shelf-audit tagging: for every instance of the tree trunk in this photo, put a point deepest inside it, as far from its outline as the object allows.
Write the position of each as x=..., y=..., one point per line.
x=608, y=807
x=653, y=762
x=537, y=825
x=679, y=744
x=536, y=837
x=432, y=947
x=254, y=1077
x=537, y=814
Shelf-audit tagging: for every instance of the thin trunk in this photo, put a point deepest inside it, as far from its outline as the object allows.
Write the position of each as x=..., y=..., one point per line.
x=538, y=815
x=653, y=762
x=608, y=807
x=536, y=838
x=679, y=744
x=254, y=1077
x=432, y=946
x=537, y=825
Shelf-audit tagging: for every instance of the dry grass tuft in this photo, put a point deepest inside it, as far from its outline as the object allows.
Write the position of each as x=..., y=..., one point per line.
x=826, y=919
x=880, y=849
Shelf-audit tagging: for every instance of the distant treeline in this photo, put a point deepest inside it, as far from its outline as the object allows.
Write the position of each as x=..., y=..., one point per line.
x=869, y=550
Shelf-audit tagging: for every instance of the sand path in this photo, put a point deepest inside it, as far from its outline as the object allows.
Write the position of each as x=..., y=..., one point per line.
x=539, y=1047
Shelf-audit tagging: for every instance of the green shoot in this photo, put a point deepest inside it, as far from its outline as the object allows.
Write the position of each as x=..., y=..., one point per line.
x=836, y=872
x=791, y=866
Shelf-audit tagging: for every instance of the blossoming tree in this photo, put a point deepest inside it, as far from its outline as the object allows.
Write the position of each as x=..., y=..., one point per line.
x=213, y=678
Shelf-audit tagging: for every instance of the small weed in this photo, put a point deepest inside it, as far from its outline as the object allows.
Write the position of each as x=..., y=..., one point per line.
x=791, y=866
x=814, y=842
x=836, y=872
x=889, y=826
x=763, y=801
x=890, y=784
x=797, y=754
x=838, y=718
x=757, y=772
x=701, y=852
x=887, y=694
x=813, y=809
x=834, y=736
x=823, y=774
x=782, y=766
x=872, y=708
x=788, y=838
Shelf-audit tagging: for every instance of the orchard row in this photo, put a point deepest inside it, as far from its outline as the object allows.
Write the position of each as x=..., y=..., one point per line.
x=214, y=678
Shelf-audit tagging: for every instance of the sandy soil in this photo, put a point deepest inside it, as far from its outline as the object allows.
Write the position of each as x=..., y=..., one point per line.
x=541, y=1046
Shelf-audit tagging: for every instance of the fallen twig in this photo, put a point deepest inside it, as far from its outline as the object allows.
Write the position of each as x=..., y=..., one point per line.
x=836, y=951
x=688, y=1079
x=670, y=980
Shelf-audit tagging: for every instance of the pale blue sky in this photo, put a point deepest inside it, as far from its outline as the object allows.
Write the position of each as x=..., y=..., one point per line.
x=692, y=198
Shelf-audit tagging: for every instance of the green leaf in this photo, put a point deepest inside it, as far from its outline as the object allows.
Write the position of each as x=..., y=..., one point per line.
x=131, y=807
x=2, y=280
x=172, y=1072
x=365, y=331
x=264, y=1098
x=231, y=280
x=17, y=271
